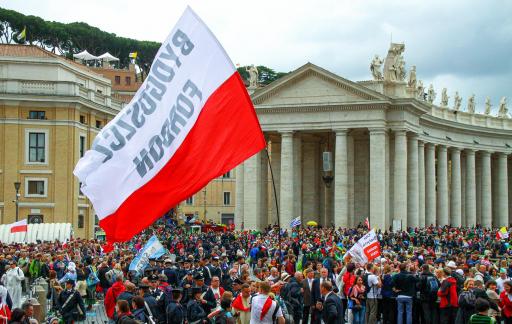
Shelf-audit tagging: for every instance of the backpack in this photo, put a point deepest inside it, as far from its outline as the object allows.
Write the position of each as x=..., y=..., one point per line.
x=129, y=319
x=432, y=286
x=366, y=283
x=473, y=319
x=460, y=282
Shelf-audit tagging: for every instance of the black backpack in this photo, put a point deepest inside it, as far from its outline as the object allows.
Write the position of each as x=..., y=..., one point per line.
x=366, y=284
x=431, y=287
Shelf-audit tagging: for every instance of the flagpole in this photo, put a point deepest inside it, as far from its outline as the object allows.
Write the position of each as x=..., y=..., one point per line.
x=275, y=193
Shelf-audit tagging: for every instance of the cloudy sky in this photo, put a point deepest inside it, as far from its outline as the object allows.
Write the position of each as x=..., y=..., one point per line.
x=462, y=45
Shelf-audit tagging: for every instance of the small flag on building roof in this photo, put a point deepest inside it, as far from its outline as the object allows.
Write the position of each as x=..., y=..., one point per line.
x=23, y=35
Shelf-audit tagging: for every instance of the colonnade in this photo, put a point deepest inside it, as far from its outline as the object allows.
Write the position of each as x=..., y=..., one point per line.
x=404, y=180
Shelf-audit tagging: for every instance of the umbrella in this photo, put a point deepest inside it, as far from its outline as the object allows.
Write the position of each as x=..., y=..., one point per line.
x=312, y=223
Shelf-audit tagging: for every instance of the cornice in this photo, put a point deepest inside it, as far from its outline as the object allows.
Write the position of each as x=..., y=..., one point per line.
x=15, y=98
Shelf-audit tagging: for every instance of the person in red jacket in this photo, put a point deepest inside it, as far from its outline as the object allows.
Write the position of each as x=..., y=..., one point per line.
x=348, y=281
x=506, y=302
x=111, y=297
x=449, y=300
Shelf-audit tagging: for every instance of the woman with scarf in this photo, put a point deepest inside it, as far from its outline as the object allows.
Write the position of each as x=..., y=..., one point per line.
x=358, y=301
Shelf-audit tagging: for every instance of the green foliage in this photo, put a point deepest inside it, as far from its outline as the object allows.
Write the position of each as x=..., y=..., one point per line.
x=72, y=38
x=266, y=75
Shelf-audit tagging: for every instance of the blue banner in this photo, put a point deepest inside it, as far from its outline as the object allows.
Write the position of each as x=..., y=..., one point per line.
x=152, y=249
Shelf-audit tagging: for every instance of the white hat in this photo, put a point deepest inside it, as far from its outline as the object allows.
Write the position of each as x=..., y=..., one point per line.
x=460, y=271
x=451, y=264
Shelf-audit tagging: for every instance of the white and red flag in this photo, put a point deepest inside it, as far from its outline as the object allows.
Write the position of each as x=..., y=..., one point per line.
x=20, y=226
x=366, y=249
x=191, y=120
x=367, y=223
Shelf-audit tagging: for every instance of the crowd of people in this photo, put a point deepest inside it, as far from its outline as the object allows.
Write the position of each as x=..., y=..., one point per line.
x=428, y=275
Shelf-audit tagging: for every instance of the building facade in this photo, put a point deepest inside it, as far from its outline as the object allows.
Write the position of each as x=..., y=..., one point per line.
x=216, y=202
x=342, y=151
x=50, y=111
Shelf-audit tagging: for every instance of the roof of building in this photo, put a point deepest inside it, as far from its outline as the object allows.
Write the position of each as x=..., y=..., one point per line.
x=19, y=50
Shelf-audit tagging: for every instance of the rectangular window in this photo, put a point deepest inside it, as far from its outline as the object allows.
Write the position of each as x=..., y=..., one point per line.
x=227, y=198
x=82, y=119
x=80, y=221
x=118, y=79
x=36, y=147
x=36, y=188
x=227, y=175
x=82, y=146
x=128, y=80
x=189, y=201
x=98, y=124
x=80, y=193
x=36, y=114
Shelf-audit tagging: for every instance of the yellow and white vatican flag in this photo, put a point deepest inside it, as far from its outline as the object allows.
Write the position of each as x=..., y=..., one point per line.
x=23, y=35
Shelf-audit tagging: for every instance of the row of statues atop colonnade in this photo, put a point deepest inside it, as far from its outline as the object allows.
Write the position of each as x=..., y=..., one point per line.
x=394, y=71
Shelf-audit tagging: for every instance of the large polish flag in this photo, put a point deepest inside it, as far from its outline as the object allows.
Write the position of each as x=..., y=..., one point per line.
x=20, y=226
x=191, y=121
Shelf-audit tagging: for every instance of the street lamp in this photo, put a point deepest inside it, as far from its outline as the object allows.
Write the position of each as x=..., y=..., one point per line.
x=17, y=188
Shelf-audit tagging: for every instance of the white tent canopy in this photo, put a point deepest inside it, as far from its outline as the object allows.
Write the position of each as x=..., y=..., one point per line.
x=43, y=232
x=85, y=56
x=107, y=57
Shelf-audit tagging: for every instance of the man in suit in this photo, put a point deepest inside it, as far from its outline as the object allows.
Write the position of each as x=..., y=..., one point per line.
x=316, y=295
x=332, y=308
x=307, y=287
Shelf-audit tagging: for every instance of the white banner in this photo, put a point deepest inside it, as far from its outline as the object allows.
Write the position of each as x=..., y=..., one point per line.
x=366, y=249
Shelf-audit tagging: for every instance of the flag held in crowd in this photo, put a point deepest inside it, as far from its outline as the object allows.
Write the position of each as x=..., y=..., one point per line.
x=152, y=249
x=295, y=222
x=132, y=55
x=20, y=226
x=502, y=233
x=191, y=121
x=366, y=249
x=367, y=223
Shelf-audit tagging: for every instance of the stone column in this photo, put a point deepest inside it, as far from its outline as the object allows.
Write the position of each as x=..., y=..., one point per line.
x=502, y=190
x=412, y=182
x=341, y=180
x=430, y=185
x=297, y=175
x=400, y=177
x=378, y=179
x=310, y=182
x=275, y=161
x=421, y=183
x=351, y=196
x=252, y=193
x=486, y=189
x=287, y=175
x=455, y=192
x=264, y=190
x=470, y=188
x=239, y=207
x=442, y=186
x=478, y=176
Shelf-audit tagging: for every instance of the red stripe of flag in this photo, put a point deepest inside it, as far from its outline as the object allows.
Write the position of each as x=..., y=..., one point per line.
x=226, y=133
